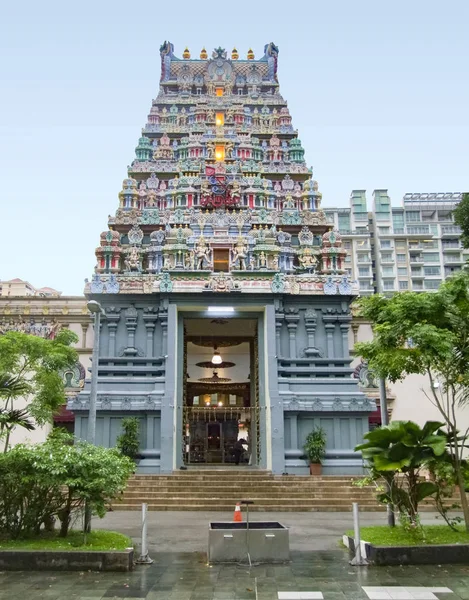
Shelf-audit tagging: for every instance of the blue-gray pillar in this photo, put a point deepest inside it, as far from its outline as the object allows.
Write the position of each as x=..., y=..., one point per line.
x=329, y=327
x=276, y=403
x=169, y=398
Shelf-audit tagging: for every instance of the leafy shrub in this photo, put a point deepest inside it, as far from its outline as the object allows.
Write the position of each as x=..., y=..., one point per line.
x=129, y=441
x=315, y=445
x=54, y=480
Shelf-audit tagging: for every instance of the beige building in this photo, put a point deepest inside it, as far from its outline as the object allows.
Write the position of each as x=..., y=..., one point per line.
x=43, y=316
x=409, y=399
x=19, y=287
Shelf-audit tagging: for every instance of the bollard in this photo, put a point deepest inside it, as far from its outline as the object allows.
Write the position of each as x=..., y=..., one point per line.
x=144, y=559
x=358, y=560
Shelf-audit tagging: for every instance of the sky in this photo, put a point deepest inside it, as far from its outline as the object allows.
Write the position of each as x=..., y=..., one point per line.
x=379, y=92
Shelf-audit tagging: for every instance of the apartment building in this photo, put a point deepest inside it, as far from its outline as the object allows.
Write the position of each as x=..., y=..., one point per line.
x=411, y=247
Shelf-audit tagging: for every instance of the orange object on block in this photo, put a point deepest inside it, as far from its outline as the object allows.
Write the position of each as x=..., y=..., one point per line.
x=237, y=517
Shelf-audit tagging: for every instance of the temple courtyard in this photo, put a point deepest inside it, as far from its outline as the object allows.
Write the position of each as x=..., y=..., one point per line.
x=319, y=567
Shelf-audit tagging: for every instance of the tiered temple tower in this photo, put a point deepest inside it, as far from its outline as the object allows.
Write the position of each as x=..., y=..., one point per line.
x=219, y=216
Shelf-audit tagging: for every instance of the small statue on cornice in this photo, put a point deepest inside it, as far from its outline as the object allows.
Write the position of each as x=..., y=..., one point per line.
x=132, y=262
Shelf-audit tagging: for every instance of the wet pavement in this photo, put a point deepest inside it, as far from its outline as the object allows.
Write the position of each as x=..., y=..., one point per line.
x=187, y=576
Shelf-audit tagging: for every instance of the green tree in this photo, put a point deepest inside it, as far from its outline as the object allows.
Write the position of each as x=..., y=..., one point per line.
x=426, y=333
x=9, y=417
x=461, y=218
x=397, y=453
x=30, y=368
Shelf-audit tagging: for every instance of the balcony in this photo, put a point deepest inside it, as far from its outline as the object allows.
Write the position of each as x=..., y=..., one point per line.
x=415, y=259
x=453, y=259
x=353, y=233
x=456, y=248
x=450, y=230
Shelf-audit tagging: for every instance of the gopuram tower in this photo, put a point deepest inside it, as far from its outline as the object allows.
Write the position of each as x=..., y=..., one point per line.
x=226, y=306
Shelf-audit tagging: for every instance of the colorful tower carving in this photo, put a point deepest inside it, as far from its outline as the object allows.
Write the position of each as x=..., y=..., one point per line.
x=219, y=201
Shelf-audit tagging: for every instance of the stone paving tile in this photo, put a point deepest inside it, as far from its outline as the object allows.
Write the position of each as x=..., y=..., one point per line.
x=187, y=576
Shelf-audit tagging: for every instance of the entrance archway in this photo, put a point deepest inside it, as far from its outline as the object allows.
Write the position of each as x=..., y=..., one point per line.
x=220, y=392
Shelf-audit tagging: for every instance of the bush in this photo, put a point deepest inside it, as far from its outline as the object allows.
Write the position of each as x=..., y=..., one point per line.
x=129, y=441
x=54, y=480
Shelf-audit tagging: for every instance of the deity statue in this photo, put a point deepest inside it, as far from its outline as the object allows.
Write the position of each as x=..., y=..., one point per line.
x=202, y=253
x=166, y=261
x=132, y=262
x=210, y=149
x=275, y=263
x=229, y=149
x=289, y=203
x=262, y=259
x=236, y=191
x=205, y=191
x=190, y=260
x=239, y=254
x=307, y=260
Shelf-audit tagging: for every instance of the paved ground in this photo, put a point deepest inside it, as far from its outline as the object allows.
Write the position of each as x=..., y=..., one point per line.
x=175, y=531
x=180, y=571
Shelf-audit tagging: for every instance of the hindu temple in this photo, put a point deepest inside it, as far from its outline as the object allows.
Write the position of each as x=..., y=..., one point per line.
x=226, y=304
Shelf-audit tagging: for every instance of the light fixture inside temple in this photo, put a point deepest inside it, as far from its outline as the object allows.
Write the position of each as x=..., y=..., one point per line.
x=214, y=379
x=220, y=403
x=216, y=358
x=220, y=119
x=220, y=153
x=220, y=309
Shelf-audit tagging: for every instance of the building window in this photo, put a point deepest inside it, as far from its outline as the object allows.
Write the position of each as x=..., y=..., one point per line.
x=385, y=244
x=388, y=271
x=402, y=271
x=363, y=271
x=386, y=256
x=401, y=258
x=431, y=270
x=382, y=230
x=344, y=222
x=347, y=245
x=388, y=285
x=412, y=216
x=431, y=257
x=432, y=284
x=403, y=285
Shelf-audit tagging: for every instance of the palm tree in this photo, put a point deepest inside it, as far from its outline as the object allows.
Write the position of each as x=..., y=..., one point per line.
x=11, y=387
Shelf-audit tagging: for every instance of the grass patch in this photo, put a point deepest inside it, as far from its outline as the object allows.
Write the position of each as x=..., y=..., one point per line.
x=96, y=540
x=382, y=535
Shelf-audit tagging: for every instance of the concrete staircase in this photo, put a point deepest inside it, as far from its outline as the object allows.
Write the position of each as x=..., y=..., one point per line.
x=219, y=490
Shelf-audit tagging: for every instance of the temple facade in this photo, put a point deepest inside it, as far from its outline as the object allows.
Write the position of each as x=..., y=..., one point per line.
x=225, y=296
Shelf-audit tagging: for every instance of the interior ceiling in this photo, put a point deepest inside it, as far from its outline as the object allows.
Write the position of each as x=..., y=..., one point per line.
x=212, y=328
x=227, y=353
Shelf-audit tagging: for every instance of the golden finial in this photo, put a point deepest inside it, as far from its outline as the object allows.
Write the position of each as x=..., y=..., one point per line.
x=203, y=54
x=186, y=53
x=250, y=54
x=234, y=54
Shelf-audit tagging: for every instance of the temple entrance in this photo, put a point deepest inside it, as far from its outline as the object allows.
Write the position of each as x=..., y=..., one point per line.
x=221, y=405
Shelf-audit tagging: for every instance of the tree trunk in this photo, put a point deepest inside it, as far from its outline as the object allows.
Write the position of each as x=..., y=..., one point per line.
x=65, y=516
x=462, y=491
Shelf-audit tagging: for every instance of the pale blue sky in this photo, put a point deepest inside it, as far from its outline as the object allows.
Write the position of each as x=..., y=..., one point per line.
x=378, y=91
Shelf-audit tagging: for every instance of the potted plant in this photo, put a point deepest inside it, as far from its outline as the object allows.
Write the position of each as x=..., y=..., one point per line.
x=129, y=441
x=315, y=449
